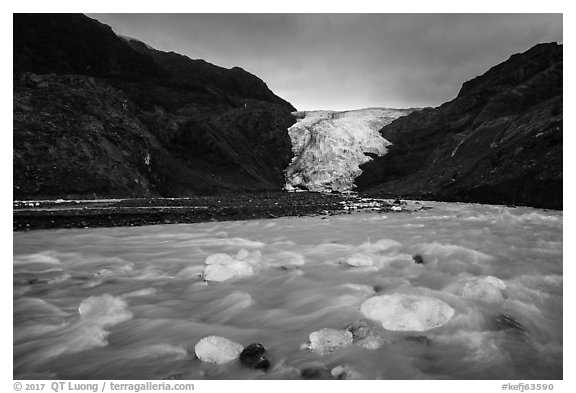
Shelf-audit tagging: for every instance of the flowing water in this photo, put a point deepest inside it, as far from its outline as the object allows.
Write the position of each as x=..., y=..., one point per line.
x=130, y=303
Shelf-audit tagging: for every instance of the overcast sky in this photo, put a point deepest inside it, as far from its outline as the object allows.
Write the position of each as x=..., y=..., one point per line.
x=348, y=61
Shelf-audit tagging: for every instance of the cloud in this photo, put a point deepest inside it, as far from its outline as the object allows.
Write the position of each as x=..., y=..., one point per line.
x=346, y=61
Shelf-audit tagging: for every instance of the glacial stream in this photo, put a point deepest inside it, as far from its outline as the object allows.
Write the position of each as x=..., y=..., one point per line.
x=132, y=303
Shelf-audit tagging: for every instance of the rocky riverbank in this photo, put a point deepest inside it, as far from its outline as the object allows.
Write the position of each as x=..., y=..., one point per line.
x=55, y=214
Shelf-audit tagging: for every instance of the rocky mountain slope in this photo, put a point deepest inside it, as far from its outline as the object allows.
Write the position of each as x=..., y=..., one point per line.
x=498, y=141
x=100, y=115
x=329, y=146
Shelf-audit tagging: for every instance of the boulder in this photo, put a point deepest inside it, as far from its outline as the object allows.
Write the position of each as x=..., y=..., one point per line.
x=327, y=341
x=254, y=356
x=407, y=312
x=219, y=350
x=418, y=259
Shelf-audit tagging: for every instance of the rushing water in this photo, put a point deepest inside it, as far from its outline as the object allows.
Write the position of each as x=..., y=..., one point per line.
x=114, y=303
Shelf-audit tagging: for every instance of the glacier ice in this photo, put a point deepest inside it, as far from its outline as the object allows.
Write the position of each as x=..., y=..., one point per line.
x=219, y=350
x=488, y=289
x=330, y=146
x=407, y=312
x=327, y=341
x=222, y=267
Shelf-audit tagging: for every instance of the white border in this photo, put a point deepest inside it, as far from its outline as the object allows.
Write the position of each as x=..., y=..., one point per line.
x=299, y=6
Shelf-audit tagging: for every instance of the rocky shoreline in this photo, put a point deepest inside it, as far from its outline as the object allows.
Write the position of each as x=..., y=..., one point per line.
x=57, y=214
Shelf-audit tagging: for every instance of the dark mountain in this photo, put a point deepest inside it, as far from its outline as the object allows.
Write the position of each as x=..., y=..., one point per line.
x=499, y=141
x=100, y=115
x=191, y=73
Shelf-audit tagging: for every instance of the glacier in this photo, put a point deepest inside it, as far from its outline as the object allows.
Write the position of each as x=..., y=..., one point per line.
x=330, y=146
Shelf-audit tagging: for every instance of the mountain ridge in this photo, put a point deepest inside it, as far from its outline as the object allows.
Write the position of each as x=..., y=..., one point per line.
x=498, y=141
x=93, y=116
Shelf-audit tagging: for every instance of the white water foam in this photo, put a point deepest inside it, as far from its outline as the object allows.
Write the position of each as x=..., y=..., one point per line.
x=102, y=303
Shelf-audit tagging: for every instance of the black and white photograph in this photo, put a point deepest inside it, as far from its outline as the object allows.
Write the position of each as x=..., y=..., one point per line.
x=287, y=196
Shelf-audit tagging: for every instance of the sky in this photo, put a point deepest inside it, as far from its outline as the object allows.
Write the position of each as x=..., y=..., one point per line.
x=348, y=61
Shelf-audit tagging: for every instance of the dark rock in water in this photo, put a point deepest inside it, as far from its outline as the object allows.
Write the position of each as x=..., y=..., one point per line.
x=418, y=259
x=506, y=322
x=418, y=339
x=315, y=372
x=253, y=356
x=378, y=288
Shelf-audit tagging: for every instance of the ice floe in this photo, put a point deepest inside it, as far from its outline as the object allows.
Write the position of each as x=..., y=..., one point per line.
x=407, y=312
x=219, y=350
